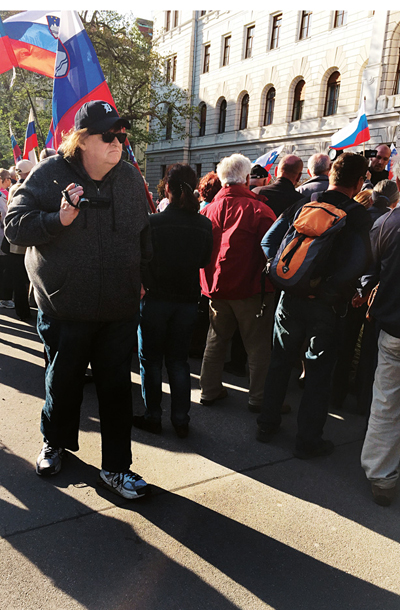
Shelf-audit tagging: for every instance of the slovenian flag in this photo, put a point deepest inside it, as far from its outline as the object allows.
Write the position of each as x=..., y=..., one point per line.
x=354, y=133
x=389, y=166
x=33, y=37
x=266, y=161
x=16, y=149
x=78, y=77
x=31, y=141
x=7, y=57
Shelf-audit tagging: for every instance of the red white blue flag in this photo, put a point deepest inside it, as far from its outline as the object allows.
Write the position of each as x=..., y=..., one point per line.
x=31, y=141
x=266, y=161
x=16, y=149
x=78, y=77
x=7, y=57
x=392, y=159
x=33, y=37
x=353, y=134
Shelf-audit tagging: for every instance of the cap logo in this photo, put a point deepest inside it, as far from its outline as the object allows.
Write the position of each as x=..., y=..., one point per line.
x=107, y=107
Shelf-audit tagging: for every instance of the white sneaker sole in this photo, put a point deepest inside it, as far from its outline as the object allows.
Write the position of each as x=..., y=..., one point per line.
x=123, y=493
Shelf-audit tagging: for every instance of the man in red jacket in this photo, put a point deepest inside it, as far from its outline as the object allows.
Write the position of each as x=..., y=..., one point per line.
x=232, y=281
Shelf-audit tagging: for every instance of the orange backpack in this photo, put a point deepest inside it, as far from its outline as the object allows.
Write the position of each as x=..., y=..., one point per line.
x=299, y=264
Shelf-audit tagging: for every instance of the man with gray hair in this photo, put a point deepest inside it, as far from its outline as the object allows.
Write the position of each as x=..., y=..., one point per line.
x=319, y=166
x=232, y=281
x=282, y=194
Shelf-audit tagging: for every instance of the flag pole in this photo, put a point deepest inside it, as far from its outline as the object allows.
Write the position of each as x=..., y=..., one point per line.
x=365, y=99
x=34, y=110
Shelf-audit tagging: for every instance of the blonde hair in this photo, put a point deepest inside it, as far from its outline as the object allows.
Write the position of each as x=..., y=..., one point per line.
x=364, y=197
x=72, y=140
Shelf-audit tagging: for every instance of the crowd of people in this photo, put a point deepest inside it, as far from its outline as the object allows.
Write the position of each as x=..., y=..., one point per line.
x=197, y=277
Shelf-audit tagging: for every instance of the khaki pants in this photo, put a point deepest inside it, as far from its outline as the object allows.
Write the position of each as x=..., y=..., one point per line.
x=225, y=316
x=381, y=450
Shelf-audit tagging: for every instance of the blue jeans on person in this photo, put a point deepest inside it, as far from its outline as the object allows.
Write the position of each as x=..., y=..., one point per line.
x=165, y=330
x=70, y=345
x=296, y=320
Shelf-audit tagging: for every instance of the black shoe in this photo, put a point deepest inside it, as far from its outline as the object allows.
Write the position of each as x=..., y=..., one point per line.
x=234, y=369
x=181, y=430
x=140, y=422
x=382, y=496
x=208, y=403
x=324, y=448
x=265, y=432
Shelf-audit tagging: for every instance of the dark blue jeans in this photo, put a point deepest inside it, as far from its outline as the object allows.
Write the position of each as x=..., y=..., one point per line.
x=70, y=346
x=296, y=320
x=165, y=330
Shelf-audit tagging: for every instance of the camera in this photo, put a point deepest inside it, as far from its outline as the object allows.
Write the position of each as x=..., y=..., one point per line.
x=84, y=203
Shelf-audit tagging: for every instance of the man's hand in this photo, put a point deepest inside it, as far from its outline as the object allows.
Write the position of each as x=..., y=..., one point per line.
x=67, y=212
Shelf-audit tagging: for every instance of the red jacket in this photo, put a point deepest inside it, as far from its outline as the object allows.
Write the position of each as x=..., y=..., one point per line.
x=240, y=221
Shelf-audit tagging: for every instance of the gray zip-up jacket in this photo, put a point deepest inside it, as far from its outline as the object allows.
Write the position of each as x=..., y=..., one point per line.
x=89, y=270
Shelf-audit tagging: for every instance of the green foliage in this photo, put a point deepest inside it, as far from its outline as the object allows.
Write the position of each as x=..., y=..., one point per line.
x=134, y=71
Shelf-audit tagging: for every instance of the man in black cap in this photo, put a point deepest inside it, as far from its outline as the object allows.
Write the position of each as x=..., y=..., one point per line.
x=83, y=216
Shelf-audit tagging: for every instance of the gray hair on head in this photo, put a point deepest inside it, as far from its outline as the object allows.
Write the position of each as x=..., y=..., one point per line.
x=385, y=194
x=234, y=169
x=318, y=164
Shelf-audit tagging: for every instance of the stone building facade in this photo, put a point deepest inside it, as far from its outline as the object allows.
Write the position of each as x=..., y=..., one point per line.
x=264, y=79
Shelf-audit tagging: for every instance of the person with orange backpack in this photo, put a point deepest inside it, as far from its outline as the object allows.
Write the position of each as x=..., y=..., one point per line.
x=316, y=252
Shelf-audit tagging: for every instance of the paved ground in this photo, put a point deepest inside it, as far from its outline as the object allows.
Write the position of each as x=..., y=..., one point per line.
x=232, y=523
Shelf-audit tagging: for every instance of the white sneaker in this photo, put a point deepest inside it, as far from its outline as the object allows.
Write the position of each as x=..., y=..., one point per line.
x=49, y=460
x=129, y=485
x=7, y=304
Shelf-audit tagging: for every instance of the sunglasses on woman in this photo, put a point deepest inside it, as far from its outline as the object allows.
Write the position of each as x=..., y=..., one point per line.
x=108, y=137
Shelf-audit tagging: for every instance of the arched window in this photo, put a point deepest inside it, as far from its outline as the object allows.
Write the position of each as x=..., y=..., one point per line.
x=168, y=126
x=269, y=107
x=203, y=118
x=244, y=112
x=298, y=103
x=222, y=117
x=332, y=94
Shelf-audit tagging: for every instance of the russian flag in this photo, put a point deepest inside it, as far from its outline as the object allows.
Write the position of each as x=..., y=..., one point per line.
x=7, y=57
x=354, y=133
x=16, y=149
x=389, y=166
x=33, y=37
x=266, y=161
x=31, y=141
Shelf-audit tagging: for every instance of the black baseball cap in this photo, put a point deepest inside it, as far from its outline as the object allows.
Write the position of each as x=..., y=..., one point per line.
x=257, y=171
x=98, y=117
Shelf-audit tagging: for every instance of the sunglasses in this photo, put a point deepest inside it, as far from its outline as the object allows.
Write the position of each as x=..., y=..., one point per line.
x=108, y=137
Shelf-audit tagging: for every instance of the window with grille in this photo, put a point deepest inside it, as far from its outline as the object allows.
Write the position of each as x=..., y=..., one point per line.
x=249, y=42
x=244, y=112
x=222, y=117
x=168, y=127
x=332, y=94
x=269, y=107
x=203, y=118
x=298, y=103
x=206, y=63
x=276, y=26
x=227, y=48
x=340, y=19
x=173, y=69
x=305, y=26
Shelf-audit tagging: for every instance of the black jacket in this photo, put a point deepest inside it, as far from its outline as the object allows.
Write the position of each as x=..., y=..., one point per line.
x=182, y=244
x=280, y=195
x=89, y=270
